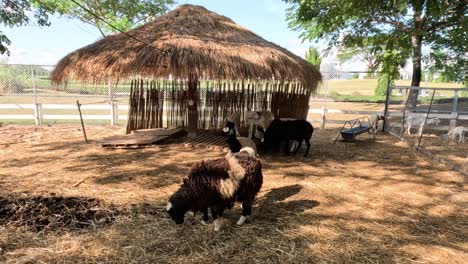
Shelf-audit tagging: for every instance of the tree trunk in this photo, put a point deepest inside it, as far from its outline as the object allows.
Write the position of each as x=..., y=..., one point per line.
x=192, y=107
x=416, y=42
x=416, y=45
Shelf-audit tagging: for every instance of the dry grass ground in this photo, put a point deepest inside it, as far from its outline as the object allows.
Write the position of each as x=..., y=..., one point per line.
x=370, y=202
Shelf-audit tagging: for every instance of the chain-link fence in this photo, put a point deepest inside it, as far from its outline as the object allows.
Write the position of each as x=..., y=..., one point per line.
x=28, y=96
x=434, y=122
x=345, y=95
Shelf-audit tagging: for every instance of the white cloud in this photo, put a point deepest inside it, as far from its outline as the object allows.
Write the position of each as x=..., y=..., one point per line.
x=28, y=56
x=274, y=7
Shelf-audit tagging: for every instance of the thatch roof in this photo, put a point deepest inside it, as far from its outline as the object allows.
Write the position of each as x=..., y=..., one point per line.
x=189, y=39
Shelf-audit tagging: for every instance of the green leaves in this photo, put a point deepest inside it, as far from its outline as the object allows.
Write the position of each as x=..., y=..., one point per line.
x=386, y=27
x=313, y=57
x=16, y=13
x=123, y=14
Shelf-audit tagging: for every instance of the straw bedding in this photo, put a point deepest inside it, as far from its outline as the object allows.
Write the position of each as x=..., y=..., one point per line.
x=370, y=202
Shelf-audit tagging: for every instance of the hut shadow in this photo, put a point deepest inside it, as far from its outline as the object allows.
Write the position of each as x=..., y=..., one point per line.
x=273, y=205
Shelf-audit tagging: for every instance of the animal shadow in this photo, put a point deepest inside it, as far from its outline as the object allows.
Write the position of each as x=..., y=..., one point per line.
x=272, y=206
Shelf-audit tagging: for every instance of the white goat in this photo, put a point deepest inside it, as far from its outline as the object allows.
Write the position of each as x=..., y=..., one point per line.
x=375, y=121
x=233, y=122
x=261, y=118
x=457, y=132
x=415, y=121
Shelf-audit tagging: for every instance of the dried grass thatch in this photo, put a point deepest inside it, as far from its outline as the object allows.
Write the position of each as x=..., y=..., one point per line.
x=187, y=40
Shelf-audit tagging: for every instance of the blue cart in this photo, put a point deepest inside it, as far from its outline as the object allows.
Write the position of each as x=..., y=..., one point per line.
x=352, y=128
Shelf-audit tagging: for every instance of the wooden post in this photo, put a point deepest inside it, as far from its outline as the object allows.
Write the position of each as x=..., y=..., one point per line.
x=34, y=85
x=453, y=122
x=192, y=106
x=324, y=118
x=111, y=103
x=425, y=120
x=455, y=101
x=114, y=113
x=81, y=119
x=38, y=114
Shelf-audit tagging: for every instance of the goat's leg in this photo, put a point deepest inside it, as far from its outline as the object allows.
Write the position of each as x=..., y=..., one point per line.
x=421, y=129
x=236, y=127
x=286, y=149
x=246, y=211
x=251, y=127
x=205, y=216
x=409, y=130
x=216, y=220
x=299, y=145
x=307, y=141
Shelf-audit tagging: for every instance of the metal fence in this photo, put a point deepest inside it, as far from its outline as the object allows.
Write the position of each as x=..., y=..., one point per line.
x=436, y=124
x=28, y=95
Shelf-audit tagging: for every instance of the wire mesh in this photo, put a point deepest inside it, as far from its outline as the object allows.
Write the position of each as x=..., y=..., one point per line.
x=22, y=85
x=436, y=124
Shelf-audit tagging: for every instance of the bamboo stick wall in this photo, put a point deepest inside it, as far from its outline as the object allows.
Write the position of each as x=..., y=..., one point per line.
x=163, y=103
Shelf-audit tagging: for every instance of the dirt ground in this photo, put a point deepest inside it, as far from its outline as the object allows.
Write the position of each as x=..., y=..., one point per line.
x=365, y=202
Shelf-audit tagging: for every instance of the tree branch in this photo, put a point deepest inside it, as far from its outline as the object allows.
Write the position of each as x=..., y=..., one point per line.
x=442, y=24
x=391, y=22
x=100, y=30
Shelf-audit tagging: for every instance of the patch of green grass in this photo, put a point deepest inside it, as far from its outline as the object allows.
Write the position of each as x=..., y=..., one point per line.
x=52, y=122
x=393, y=99
x=366, y=87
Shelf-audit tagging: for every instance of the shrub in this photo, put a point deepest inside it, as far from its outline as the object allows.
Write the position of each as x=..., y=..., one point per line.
x=382, y=82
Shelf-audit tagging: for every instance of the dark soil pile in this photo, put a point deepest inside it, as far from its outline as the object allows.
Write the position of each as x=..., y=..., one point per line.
x=54, y=212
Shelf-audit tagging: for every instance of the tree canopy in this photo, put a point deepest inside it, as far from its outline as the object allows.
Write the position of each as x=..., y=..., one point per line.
x=400, y=27
x=18, y=13
x=121, y=14
x=313, y=57
x=370, y=55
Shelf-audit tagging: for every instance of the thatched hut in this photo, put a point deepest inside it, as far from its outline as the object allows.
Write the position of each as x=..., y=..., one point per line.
x=192, y=67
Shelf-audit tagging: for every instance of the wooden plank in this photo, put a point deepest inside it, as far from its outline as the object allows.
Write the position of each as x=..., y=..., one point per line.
x=440, y=116
x=158, y=131
x=134, y=140
x=430, y=127
x=426, y=88
x=348, y=112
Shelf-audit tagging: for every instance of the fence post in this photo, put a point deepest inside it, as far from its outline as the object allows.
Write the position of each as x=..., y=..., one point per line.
x=387, y=104
x=111, y=103
x=453, y=122
x=114, y=113
x=324, y=117
x=38, y=114
x=34, y=85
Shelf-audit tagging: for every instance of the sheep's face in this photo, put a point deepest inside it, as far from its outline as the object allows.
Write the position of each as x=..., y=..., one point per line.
x=229, y=127
x=177, y=213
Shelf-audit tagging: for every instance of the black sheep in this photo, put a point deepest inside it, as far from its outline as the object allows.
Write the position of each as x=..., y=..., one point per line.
x=217, y=184
x=281, y=131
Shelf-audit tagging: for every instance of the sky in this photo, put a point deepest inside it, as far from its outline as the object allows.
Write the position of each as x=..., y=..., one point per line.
x=47, y=45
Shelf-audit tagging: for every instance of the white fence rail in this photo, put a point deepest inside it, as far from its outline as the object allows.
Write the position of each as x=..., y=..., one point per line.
x=113, y=116
x=39, y=117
